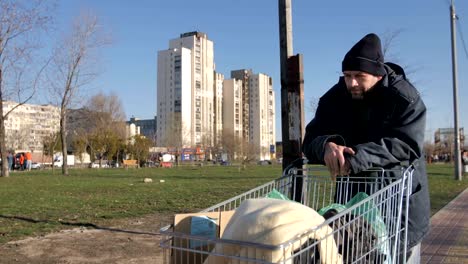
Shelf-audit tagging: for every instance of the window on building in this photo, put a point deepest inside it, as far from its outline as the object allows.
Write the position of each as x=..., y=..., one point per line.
x=177, y=106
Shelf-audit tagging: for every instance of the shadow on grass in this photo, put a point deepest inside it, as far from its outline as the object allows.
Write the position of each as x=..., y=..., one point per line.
x=77, y=224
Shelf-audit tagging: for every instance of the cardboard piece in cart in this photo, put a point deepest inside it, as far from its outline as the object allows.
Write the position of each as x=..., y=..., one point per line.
x=183, y=224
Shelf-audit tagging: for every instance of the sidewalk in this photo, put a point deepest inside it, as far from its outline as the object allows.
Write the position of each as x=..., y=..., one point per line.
x=447, y=241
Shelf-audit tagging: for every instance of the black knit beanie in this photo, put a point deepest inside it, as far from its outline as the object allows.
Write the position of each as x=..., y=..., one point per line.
x=366, y=56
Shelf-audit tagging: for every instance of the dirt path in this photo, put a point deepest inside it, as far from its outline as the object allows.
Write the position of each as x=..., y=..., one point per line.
x=129, y=241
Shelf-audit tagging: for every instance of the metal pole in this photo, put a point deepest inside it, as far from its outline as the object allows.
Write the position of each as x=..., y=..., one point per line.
x=457, y=154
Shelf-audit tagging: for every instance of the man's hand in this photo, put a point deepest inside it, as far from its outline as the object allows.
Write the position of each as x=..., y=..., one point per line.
x=335, y=160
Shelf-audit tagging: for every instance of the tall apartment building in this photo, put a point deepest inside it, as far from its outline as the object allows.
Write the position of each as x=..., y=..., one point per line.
x=218, y=107
x=262, y=114
x=244, y=75
x=232, y=108
x=185, y=92
x=28, y=125
x=252, y=121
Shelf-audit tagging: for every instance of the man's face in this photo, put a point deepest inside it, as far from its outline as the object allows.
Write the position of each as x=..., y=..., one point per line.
x=359, y=82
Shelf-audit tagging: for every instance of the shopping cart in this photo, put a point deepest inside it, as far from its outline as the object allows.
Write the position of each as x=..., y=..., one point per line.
x=370, y=229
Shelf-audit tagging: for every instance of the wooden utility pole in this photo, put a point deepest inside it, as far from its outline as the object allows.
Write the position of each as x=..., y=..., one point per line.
x=457, y=150
x=292, y=93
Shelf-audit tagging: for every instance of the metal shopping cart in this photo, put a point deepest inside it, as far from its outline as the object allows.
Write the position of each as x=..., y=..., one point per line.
x=366, y=220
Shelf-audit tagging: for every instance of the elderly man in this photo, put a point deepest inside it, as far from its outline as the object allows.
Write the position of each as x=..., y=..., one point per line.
x=373, y=117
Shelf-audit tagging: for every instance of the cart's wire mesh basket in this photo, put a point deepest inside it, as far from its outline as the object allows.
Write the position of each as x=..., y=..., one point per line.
x=364, y=222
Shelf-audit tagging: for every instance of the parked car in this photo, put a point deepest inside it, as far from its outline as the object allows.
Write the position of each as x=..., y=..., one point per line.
x=115, y=164
x=150, y=164
x=36, y=166
x=225, y=163
x=58, y=160
x=264, y=162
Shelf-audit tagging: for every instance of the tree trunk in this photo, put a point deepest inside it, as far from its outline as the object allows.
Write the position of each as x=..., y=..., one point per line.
x=63, y=136
x=117, y=158
x=3, y=151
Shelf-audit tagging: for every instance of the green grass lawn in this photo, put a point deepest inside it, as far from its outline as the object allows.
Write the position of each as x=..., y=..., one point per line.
x=37, y=202
x=442, y=186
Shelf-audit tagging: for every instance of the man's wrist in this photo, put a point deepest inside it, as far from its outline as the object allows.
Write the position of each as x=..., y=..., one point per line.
x=337, y=139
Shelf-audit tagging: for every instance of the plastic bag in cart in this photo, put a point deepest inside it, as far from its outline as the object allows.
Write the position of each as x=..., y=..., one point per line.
x=371, y=214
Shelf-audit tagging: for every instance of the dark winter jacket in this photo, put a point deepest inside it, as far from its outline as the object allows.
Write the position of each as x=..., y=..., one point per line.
x=385, y=129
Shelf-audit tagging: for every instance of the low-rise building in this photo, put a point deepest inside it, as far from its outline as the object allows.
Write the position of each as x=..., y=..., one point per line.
x=28, y=125
x=444, y=143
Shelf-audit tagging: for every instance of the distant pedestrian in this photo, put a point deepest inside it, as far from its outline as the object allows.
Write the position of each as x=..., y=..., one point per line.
x=465, y=157
x=28, y=158
x=21, y=161
x=10, y=161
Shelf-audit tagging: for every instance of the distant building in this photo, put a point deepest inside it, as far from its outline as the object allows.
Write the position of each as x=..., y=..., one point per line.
x=245, y=76
x=218, y=107
x=198, y=106
x=262, y=115
x=27, y=126
x=185, y=92
x=232, y=109
x=447, y=135
x=444, y=139
x=253, y=121
x=132, y=130
x=145, y=127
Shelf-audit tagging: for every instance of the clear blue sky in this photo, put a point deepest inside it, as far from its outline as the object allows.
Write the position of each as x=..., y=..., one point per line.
x=245, y=35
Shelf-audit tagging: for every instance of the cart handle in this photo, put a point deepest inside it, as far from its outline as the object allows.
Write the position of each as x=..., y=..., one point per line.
x=298, y=163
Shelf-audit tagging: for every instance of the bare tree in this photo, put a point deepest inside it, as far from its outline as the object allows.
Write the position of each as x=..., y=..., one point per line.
x=388, y=41
x=250, y=152
x=21, y=22
x=74, y=64
x=80, y=143
x=231, y=144
x=313, y=104
x=429, y=151
x=51, y=144
x=107, y=119
x=177, y=135
x=106, y=110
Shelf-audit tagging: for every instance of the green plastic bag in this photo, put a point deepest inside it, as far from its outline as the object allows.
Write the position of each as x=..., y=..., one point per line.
x=337, y=207
x=371, y=214
x=275, y=194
